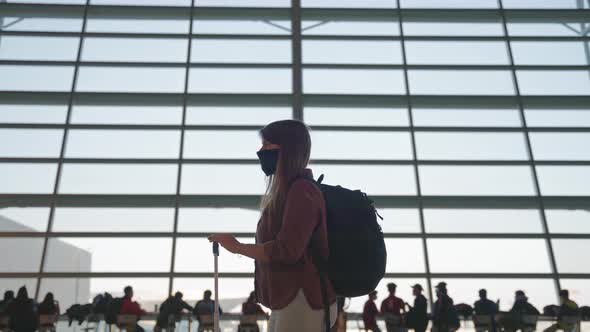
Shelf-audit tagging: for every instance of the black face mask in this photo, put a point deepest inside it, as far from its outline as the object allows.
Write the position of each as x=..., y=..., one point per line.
x=268, y=160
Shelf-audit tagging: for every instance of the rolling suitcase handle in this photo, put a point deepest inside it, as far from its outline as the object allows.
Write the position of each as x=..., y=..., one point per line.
x=215, y=276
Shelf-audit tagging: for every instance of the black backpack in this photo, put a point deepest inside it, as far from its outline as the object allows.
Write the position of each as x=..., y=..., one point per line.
x=113, y=309
x=357, y=259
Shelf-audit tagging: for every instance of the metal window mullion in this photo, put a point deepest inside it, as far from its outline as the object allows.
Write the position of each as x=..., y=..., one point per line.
x=181, y=149
x=552, y=261
x=62, y=152
x=296, y=58
x=415, y=155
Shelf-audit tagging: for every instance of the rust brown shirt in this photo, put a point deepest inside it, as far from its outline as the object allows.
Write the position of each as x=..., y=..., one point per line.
x=288, y=246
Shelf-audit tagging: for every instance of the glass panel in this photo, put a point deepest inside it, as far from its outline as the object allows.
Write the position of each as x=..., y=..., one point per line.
x=353, y=81
x=547, y=28
x=68, y=291
x=46, y=22
x=464, y=82
x=206, y=25
x=456, y=53
x=536, y=82
x=375, y=179
x=212, y=115
x=123, y=144
x=549, y=53
x=193, y=255
x=38, y=48
x=560, y=146
x=132, y=115
x=221, y=220
x=118, y=179
x=346, y=52
x=31, y=142
x=448, y=4
x=242, y=80
x=403, y=291
x=568, y=254
x=568, y=221
x=18, y=178
x=348, y=4
x=127, y=79
x=482, y=221
x=233, y=288
x=241, y=51
x=453, y=28
x=476, y=180
x=345, y=116
x=68, y=219
x=20, y=254
x=471, y=146
x=221, y=144
x=241, y=3
x=24, y=219
x=544, y=4
x=539, y=291
x=183, y=3
x=557, y=118
x=564, y=181
x=36, y=78
x=412, y=259
x=99, y=23
x=222, y=179
x=108, y=255
x=134, y=50
x=349, y=28
x=354, y=145
x=69, y=2
x=399, y=220
x=507, y=255
x=33, y=113
x=433, y=117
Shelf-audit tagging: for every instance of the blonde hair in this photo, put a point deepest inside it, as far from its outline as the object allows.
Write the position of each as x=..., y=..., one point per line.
x=295, y=141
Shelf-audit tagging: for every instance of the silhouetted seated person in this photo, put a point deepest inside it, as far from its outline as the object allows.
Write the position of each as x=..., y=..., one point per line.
x=567, y=310
x=370, y=312
x=171, y=309
x=4, y=303
x=253, y=309
x=444, y=315
x=49, y=307
x=392, y=306
x=485, y=307
x=23, y=312
x=8, y=298
x=205, y=307
x=417, y=317
x=130, y=307
x=513, y=320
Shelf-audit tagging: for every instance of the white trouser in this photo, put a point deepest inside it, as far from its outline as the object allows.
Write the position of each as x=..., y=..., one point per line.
x=298, y=316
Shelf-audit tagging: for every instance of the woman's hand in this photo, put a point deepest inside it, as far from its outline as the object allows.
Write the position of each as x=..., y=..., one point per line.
x=227, y=241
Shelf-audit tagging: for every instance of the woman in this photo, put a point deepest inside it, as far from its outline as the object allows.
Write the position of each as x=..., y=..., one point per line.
x=291, y=227
x=23, y=313
x=49, y=306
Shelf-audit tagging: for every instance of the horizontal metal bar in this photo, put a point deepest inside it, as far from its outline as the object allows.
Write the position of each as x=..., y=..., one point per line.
x=253, y=201
x=203, y=235
x=310, y=100
x=288, y=65
x=144, y=12
x=251, y=275
x=183, y=36
x=332, y=14
x=254, y=161
x=312, y=127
